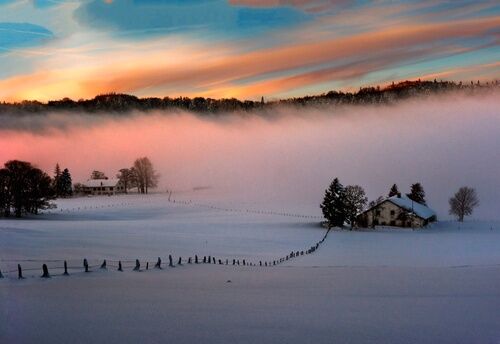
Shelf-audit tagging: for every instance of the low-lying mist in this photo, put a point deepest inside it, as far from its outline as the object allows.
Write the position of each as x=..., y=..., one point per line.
x=289, y=157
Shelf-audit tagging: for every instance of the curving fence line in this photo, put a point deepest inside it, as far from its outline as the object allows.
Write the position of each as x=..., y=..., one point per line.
x=62, y=268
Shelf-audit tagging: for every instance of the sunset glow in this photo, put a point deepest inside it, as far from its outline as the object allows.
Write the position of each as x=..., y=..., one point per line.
x=240, y=48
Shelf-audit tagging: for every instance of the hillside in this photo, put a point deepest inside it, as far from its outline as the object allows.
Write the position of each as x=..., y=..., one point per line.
x=121, y=103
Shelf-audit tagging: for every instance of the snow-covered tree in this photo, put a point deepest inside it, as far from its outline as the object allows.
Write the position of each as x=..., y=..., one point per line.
x=333, y=205
x=417, y=193
x=463, y=202
x=354, y=202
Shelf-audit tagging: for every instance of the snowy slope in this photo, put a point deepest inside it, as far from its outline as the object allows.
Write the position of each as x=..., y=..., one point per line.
x=439, y=284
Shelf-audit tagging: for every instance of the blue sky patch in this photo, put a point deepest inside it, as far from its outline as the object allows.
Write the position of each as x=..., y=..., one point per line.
x=22, y=34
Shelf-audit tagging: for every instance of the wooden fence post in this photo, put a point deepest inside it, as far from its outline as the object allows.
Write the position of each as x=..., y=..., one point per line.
x=158, y=263
x=65, y=273
x=180, y=261
x=86, y=265
x=196, y=259
x=104, y=264
x=170, y=261
x=1, y=276
x=189, y=260
x=120, y=265
x=45, y=271
x=19, y=272
x=244, y=262
x=147, y=265
x=137, y=265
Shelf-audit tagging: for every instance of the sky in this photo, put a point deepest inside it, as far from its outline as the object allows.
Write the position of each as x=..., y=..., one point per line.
x=50, y=49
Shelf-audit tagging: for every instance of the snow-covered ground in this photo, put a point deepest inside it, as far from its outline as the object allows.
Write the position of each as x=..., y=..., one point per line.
x=436, y=285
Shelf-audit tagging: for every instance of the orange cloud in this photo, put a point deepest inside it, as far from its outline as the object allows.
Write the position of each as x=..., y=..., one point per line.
x=172, y=68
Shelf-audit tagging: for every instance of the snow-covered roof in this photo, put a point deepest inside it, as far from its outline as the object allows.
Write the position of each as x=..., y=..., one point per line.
x=420, y=210
x=94, y=183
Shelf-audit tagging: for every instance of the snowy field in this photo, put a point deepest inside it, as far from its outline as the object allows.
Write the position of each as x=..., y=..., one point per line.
x=437, y=285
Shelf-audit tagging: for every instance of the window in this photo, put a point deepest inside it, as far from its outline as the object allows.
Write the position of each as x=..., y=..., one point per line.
x=377, y=212
x=393, y=213
x=393, y=223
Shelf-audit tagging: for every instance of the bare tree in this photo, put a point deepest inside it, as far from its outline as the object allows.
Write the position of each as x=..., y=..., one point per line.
x=355, y=201
x=98, y=175
x=126, y=177
x=463, y=202
x=146, y=176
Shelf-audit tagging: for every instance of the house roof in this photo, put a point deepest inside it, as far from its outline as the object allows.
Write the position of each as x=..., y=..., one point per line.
x=419, y=209
x=94, y=183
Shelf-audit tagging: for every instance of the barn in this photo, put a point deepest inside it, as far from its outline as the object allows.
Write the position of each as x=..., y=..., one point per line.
x=108, y=187
x=397, y=211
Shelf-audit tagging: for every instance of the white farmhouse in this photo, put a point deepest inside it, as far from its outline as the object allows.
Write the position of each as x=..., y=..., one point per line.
x=399, y=211
x=103, y=187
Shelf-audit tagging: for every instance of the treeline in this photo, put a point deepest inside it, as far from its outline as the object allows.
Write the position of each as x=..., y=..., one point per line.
x=120, y=103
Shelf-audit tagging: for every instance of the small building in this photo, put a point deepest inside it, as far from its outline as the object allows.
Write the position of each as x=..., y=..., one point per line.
x=398, y=211
x=103, y=187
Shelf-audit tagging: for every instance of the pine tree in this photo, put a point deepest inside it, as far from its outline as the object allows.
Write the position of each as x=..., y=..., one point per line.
x=65, y=185
x=333, y=205
x=57, y=176
x=394, y=191
x=417, y=193
x=57, y=171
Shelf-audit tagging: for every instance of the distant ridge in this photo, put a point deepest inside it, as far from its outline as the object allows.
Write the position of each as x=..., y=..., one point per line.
x=122, y=103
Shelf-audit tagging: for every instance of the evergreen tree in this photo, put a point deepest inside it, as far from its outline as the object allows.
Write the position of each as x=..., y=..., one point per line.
x=57, y=176
x=57, y=171
x=417, y=193
x=333, y=205
x=394, y=191
x=65, y=185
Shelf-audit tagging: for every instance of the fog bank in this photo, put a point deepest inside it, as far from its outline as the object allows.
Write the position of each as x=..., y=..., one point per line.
x=443, y=143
